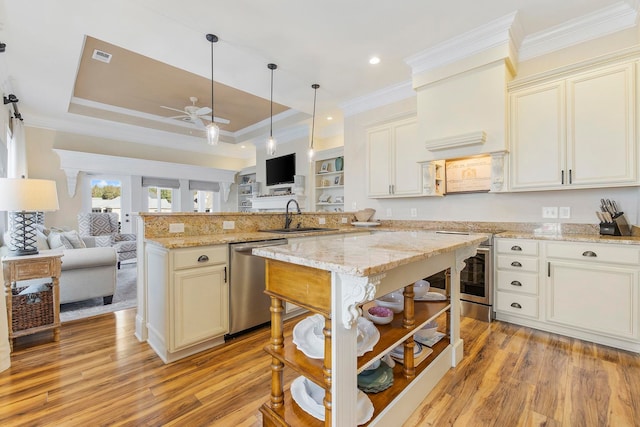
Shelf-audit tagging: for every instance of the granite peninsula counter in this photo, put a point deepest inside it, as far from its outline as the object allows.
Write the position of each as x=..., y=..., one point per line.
x=333, y=277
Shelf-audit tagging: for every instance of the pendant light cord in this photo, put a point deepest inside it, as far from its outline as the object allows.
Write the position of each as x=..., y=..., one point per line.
x=271, y=104
x=213, y=118
x=313, y=119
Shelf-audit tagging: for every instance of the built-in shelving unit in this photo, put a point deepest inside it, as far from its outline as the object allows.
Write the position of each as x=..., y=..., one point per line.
x=248, y=188
x=328, y=172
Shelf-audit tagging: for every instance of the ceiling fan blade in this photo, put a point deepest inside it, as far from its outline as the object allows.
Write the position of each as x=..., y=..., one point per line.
x=172, y=109
x=183, y=116
x=203, y=111
x=198, y=123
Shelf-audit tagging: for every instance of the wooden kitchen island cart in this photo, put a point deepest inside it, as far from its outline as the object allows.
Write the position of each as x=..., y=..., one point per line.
x=334, y=277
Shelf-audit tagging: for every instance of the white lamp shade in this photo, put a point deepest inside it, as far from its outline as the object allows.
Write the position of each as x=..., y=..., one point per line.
x=28, y=195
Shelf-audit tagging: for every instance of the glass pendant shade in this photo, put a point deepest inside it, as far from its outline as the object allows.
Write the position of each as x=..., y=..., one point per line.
x=271, y=146
x=311, y=154
x=213, y=134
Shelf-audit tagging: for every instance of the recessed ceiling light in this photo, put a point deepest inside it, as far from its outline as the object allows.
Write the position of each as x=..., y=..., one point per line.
x=329, y=118
x=374, y=60
x=243, y=146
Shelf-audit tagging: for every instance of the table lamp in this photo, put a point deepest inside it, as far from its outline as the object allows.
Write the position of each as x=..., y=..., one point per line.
x=26, y=199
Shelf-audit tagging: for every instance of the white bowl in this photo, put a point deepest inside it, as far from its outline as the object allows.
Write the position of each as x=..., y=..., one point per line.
x=428, y=331
x=421, y=288
x=394, y=301
x=380, y=315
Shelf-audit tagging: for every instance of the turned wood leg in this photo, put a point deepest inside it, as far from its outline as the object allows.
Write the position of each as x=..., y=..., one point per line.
x=447, y=286
x=408, y=322
x=326, y=371
x=276, y=343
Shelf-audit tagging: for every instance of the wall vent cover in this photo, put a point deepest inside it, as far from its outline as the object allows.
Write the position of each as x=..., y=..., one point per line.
x=101, y=56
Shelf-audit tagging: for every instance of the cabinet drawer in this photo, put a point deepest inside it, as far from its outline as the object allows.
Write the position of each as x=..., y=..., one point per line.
x=522, y=247
x=523, y=305
x=594, y=252
x=517, y=263
x=199, y=257
x=514, y=281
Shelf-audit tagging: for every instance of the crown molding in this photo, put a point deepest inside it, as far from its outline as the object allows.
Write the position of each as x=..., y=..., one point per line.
x=504, y=31
x=379, y=98
x=609, y=20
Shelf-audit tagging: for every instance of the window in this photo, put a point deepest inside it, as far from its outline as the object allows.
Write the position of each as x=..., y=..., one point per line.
x=106, y=195
x=160, y=199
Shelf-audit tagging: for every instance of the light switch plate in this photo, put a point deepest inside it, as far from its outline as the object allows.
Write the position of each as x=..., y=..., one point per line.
x=389, y=213
x=564, y=212
x=414, y=212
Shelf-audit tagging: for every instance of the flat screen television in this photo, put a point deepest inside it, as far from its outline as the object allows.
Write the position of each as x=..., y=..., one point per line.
x=280, y=170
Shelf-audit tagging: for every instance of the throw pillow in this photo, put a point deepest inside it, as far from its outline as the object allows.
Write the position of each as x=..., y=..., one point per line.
x=54, y=239
x=72, y=240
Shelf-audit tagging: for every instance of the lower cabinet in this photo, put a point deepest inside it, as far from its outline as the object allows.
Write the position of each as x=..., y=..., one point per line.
x=589, y=291
x=188, y=299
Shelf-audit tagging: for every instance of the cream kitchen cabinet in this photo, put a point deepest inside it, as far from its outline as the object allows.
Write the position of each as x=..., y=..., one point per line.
x=188, y=299
x=593, y=288
x=517, y=267
x=392, y=169
x=574, y=132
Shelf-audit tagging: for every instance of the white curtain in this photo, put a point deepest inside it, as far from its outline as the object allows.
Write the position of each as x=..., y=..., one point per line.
x=17, y=152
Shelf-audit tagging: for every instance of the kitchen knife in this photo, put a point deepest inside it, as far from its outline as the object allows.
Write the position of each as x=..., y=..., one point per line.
x=600, y=216
x=615, y=206
x=607, y=217
x=610, y=207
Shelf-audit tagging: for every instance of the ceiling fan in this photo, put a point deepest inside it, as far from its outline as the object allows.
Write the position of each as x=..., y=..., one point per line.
x=194, y=114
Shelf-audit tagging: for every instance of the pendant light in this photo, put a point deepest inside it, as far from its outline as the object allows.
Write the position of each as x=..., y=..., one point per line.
x=271, y=142
x=213, y=131
x=311, y=153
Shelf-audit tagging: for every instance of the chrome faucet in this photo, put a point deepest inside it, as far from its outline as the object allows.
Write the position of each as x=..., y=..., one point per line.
x=287, y=217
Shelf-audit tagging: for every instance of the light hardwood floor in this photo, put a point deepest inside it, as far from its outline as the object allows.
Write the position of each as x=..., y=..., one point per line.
x=99, y=374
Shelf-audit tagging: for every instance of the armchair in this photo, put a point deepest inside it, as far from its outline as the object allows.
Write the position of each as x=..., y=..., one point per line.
x=105, y=230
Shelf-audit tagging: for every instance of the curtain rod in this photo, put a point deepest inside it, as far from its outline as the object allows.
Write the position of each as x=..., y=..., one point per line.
x=14, y=101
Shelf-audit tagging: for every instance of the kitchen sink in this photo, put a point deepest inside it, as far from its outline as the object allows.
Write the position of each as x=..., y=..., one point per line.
x=298, y=230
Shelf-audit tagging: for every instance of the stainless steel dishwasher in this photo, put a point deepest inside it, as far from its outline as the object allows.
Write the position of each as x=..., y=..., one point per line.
x=248, y=304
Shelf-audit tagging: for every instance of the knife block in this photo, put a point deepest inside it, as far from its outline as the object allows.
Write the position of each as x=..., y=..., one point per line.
x=618, y=227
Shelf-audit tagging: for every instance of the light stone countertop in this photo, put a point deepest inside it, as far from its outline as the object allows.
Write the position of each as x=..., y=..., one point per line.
x=370, y=254
x=238, y=237
x=589, y=238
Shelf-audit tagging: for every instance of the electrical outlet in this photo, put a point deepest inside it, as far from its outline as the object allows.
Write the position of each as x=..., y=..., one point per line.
x=414, y=212
x=345, y=220
x=228, y=225
x=564, y=212
x=354, y=206
x=550, y=212
x=176, y=228
x=322, y=220
x=389, y=213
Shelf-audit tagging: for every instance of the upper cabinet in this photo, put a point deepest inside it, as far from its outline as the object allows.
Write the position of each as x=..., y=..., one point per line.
x=575, y=132
x=392, y=168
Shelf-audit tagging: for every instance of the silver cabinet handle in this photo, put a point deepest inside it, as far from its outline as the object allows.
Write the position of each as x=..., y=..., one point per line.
x=516, y=283
x=516, y=248
x=516, y=264
x=589, y=254
x=515, y=305
x=203, y=258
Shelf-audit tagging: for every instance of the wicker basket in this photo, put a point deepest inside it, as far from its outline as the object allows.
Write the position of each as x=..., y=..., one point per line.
x=31, y=310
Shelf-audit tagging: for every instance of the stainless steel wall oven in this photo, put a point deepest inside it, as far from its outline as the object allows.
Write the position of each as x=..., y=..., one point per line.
x=476, y=282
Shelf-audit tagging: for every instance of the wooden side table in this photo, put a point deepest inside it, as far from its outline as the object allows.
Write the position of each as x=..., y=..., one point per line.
x=43, y=265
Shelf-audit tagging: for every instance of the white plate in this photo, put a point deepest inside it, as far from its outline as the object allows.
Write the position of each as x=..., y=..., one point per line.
x=431, y=296
x=364, y=224
x=399, y=350
x=431, y=341
x=308, y=337
x=309, y=396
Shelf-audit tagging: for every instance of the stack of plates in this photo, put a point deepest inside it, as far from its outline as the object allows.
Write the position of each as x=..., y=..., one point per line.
x=309, y=397
x=309, y=339
x=420, y=352
x=431, y=296
x=431, y=341
x=376, y=380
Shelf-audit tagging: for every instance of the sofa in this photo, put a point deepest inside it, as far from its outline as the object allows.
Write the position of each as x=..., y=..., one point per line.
x=105, y=227
x=87, y=271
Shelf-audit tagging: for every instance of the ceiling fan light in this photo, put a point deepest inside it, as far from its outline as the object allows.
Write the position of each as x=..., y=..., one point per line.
x=271, y=146
x=213, y=134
